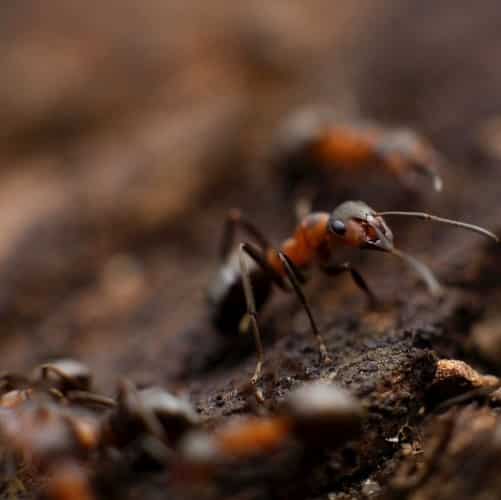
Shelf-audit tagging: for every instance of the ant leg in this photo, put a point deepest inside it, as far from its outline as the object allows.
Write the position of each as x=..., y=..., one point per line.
x=235, y=219
x=292, y=274
x=335, y=269
x=295, y=277
x=251, y=309
x=260, y=259
x=249, y=250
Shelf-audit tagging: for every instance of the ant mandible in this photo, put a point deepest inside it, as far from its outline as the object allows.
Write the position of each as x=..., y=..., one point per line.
x=243, y=285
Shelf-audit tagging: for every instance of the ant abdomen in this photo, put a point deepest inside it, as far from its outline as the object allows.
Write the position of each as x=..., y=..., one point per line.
x=226, y=295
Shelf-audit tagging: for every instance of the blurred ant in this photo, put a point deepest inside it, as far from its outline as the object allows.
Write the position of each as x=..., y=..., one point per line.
x=69, y=481
x=64, y=379
x=244, y=282
x=44, y=432
x=69, y=373
x=152, y=412
x=315, y=415
x=58, y=439
x=312, y=143
x=55, y=441
x=71, y=380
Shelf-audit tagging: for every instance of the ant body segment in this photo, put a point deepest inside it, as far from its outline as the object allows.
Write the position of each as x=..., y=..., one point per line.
x=244, y=282
x=314, y=143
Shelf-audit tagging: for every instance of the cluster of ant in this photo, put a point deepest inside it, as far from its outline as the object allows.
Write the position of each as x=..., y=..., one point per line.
x=315, y=142
x=56, y=424
x=57, y=427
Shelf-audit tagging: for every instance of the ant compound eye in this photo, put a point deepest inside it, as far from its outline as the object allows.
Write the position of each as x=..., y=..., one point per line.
x=338, y=227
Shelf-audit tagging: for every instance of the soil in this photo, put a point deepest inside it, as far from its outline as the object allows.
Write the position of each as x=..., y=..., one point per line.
x=125, y=142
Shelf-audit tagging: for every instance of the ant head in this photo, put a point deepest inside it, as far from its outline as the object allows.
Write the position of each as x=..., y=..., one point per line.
x=357, y=225
x=403, y=148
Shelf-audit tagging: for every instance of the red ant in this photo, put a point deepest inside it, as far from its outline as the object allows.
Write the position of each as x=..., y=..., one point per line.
x=64, y=379
x=244, y=284
x=315, y=414
x=313, y=143
x=152, y=411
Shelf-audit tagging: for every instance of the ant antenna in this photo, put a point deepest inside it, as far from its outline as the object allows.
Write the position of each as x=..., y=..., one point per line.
x=426, y=216
x=424, y=272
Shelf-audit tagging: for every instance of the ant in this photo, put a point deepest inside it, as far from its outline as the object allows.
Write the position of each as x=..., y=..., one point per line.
x=312, y=143
x=69, y=481
x=72, y=374
x=244, y=282
x=60, y=440
x=314, y=416
x=64, y=379
x=27, y=428
x=152, y=411
x=54, y=441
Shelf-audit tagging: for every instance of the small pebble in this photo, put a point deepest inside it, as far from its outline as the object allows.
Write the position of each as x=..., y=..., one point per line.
x=454, y=377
